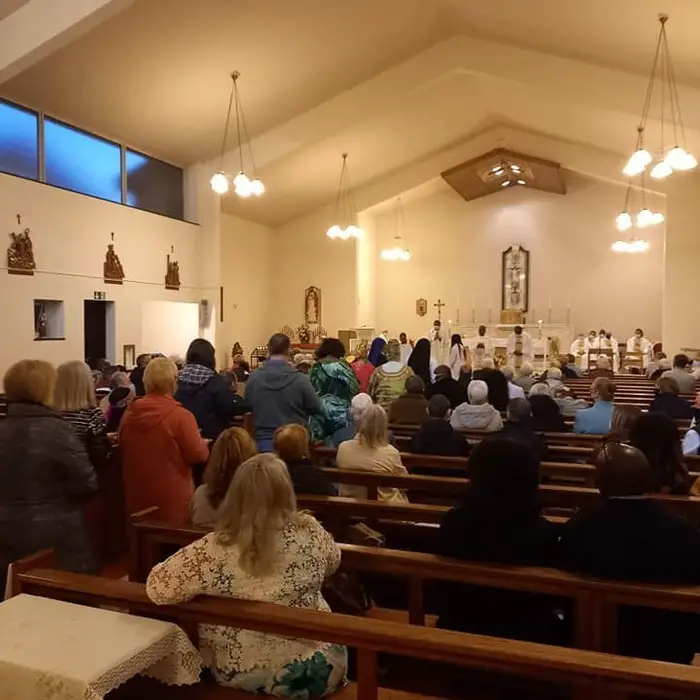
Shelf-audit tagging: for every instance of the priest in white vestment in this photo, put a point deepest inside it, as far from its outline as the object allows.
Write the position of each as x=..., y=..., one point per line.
x=436, y=342
x=519, y=348
x=405, y=348
x=616, y=351
x=638, y=343
x=578, y=350
x=591, y=344
x=481, y=338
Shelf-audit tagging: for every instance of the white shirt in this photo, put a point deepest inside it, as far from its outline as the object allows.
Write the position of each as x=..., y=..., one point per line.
x=405, y=350
x=515, y=391
x=691, y=443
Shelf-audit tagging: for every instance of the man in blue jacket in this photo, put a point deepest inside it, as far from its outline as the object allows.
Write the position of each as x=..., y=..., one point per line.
x=596, y=419
x=279, y=394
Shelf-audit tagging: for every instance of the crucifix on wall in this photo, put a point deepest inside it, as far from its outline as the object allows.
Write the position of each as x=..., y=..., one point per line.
x=439, y=306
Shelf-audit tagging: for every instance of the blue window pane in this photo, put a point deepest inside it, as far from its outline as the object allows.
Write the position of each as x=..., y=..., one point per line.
x=82, y=162
x=154, y=186
x=19, y=148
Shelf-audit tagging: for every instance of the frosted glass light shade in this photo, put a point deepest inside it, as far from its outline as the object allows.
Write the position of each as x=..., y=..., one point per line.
x=661, y=170
x=219, y=183
x=644, y=218
x=256, y=187
x=623, y=222
x=638, y=162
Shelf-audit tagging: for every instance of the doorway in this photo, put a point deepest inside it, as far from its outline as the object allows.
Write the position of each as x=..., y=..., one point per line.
x=98, y=319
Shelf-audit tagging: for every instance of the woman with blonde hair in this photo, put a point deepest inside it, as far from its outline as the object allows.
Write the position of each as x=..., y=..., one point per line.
x=370, y=450
x=74, y=397
x=233, y=447
x=45, y=473
x=160, y=443
x=263, y=549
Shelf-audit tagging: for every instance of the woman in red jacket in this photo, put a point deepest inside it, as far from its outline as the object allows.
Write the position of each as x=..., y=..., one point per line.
x=160, y=442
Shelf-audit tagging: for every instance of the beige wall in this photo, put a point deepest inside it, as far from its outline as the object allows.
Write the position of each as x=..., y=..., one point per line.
x=246, y=264
x=70, y=233
x=303, y=256
x=457, y=248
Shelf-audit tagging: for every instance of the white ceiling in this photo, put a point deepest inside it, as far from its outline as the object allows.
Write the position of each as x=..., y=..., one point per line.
x=389, y=81
x=7, y=7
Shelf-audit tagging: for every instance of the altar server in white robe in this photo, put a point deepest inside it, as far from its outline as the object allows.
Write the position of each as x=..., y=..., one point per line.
x=605, y=342
x=578, y=350
x=436, y=342
x=638, y=343
x=481, y=338
x=616, y=350
x=519, y=348
x=404, y=348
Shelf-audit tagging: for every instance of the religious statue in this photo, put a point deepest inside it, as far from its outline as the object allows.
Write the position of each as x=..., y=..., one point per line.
x=236, y=350
x=421, y=307
x=112, y=269
x=42, y=323
x=312, y=305
x=172, y=275
x=20, y=253
x=515, y=279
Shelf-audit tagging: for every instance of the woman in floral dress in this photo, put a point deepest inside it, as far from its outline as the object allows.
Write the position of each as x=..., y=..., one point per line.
x=263, y=549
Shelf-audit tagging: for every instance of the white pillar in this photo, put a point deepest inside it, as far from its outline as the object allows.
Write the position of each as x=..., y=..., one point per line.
x=365, y=273
x=681, y=260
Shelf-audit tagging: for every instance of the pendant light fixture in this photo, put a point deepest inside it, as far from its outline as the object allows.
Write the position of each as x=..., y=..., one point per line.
x=244, y=185
x=644, y=218
x=399, y=250
x=345, y=214
x=667, y=158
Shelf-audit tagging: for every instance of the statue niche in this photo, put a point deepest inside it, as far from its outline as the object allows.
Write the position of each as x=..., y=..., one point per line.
x=112, y=270
x=20, y=252
x=312, y=306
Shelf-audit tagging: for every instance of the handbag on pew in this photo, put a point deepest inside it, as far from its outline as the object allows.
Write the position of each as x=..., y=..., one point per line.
x=344, y=591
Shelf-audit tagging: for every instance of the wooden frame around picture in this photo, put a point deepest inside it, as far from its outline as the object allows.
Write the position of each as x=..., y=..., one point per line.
x=129, y=356
x=506, y=302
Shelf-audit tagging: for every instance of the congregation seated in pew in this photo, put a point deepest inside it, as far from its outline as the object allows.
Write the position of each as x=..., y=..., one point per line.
x=518, y=428
x=633, y=538
x=669, y=402
x=233, y=447
x=478, y=413
x=263, y=549
x=370, y=450
x=291, y=444
x=499, y=521
x=546, y=415
x=623, y=419
x=685, y=380
x=436, y=436
x=411, y=408
x=446, y=385
x=598, y=417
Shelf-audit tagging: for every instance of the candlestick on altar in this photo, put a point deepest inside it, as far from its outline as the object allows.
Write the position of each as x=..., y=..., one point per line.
x=458, y=315
x=549, y=315
x=489, y=315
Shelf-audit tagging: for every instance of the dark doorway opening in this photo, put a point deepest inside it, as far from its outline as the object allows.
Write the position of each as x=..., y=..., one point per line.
x=95, y=329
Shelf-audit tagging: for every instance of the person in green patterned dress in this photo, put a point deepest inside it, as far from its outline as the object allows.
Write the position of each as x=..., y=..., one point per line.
x=334, y=381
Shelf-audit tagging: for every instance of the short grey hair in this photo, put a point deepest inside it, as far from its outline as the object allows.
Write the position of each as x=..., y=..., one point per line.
x=540, y=389
x=554, y=373
x=602, y=362
x=526, y=369
x=509, y=372
x=488, y=363
x=519, y=410
x=478, y=392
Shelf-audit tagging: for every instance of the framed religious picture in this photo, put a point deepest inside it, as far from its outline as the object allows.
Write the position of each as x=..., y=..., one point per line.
x=421, y=307
x=515, y=279
x=129, y=356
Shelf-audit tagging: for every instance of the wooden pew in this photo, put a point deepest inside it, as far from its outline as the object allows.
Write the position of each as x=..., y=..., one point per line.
x=589, y=674
x=594, y=602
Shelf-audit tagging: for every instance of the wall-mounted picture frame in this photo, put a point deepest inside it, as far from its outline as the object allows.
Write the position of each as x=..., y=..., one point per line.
x=129, y=356
x=515, y=279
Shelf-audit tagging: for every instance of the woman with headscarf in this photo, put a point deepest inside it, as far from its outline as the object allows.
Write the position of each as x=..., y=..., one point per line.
x=422, y=364
x=389, y=381
x=459, y=355
x=376, y=356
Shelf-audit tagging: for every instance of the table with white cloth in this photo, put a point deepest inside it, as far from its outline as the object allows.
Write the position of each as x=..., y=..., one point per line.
x=53, y=650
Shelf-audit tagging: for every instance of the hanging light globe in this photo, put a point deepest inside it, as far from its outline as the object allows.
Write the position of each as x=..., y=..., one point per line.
x=620, y=247
x=675, y=158
x=623, y=222
x=334, y=231
x=638, y=162
x=355, y=231
x=657, y=218
x=644, y=218
x=219, y=183
x=688, y=162
x=661, y=170
x=256, y=187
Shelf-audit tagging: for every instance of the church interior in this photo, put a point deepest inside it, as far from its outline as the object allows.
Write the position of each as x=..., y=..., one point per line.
x=233, y=170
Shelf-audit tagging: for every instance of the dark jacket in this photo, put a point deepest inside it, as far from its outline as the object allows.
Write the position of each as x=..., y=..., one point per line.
x=209, y=398
x=529, y=541
x=673, y=406
x=597, y=373
x=309, y=479
x=45, y=474
x=498, y=387
x=546, y=417
x=136, y=377
x=523, y=433
x=638, y=540
x=569, y=372
x=437, y=437
x=451, y=388
x=409, y=409
x=278, y=394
